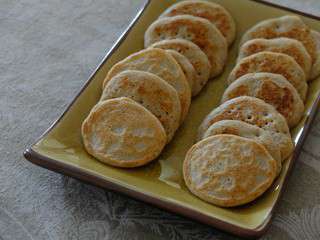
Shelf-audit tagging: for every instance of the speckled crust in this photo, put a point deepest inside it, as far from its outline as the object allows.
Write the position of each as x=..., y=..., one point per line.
x=150, y=91
x=288, y=46
x=271, y=62
x=246, y=130
x=213, y=12
x=122, y=133
x=185, y=65
x=286, y=26
x=228, y=170
x=255, y=112
x=271, y=88
x=197, y=30
x=195, y=55
x=162, y=64
x=315, y=70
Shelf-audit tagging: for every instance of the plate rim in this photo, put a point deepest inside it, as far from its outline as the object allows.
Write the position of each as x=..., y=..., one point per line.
x=94, y=179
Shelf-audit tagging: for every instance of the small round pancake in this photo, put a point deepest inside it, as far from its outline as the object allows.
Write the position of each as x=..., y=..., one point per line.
x=315, y=70
x=253, y=111
x=150, y=91
x=213, y=12
x=228, y=170
x=288, y=46
x=195, y=55
x=246, y=130
x=286, y=26
x=122, y=133
x=271, y=88
x=197, y=30
x=185, y=65
x=271, y=62
x=162, y=64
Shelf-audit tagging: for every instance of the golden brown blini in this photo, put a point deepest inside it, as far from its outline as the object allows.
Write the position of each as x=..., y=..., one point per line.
x=160, y=63
x=286, y=26
x=122, y=133
x=213, y=12
x=288, y=46
x=271, y=88
x=271, y=62
x=150, y=91
x=228, y=170
x=195, y=29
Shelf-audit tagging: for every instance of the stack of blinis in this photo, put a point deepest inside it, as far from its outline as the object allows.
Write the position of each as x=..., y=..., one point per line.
x=243, y=142
x=146, y=96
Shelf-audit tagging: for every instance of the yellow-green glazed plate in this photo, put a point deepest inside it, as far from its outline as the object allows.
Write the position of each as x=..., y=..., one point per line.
x=160, y=183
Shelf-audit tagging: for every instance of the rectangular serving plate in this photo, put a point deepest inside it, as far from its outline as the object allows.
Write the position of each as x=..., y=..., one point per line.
x=160, y=183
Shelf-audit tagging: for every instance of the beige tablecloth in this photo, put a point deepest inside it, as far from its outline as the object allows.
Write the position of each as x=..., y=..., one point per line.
x=47, y=51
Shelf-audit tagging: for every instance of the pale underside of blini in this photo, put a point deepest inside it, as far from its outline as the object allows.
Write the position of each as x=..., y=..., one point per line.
x=228, y=170
x=256, y=112
x=122, y=133
x=243, y=129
